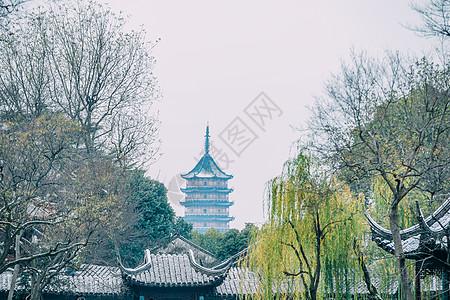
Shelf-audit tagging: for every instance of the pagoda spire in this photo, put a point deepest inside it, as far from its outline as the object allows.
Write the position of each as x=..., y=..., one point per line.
x=207, y=139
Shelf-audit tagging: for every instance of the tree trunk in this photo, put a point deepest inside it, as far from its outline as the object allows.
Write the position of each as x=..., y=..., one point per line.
x=16, y=267
x=417, y=281
x=313, y=295
x=36, y=290
x=444, y=284
x=399, y=254
x=35, y=281
x=373, y=292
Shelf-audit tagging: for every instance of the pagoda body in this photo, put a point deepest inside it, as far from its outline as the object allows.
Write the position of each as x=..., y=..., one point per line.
x=207, y=202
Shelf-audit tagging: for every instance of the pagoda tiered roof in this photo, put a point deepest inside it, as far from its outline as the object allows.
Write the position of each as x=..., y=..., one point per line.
x=206, y=167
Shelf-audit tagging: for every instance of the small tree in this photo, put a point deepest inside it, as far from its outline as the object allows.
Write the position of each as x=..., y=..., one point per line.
x=233, y=241
x=304, y=250
x=224, y=244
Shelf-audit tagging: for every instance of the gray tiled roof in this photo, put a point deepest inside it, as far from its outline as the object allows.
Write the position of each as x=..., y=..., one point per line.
x=90, y=279
x=172, y=271
x=239, y=281
x=410, y=245
x=181, y=245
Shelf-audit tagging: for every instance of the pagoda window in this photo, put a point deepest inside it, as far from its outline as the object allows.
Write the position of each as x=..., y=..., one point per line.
x=204, y=196
x=204, y=225
x=204, y=183
x=204, y=211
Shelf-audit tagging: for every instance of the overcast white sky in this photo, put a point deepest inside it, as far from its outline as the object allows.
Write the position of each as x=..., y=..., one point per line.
x=216, y=57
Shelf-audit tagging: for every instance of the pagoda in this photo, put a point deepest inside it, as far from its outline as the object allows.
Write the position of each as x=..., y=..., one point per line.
x=206, y=202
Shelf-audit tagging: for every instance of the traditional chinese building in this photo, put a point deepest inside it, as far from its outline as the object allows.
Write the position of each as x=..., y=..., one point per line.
x=207, y=202
x=426, y=243
x=177, y=274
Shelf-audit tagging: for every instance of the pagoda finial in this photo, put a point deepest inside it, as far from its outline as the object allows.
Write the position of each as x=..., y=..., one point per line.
x=207, y=139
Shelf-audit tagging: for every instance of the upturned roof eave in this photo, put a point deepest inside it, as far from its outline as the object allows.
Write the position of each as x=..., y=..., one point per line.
x=189, y=203
x=203, y=218
x=206, y=189
x=202, y=166
x=436, y=217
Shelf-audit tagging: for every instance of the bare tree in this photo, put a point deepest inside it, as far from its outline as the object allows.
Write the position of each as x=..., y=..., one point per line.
x=100, y=77
x=75, y=93
x=78, y=60
x=436, y=18
x=388, y=120
x=7, y=7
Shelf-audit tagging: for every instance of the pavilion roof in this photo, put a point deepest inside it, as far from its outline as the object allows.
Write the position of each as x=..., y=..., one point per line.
x=421, y=241
x=172, y=270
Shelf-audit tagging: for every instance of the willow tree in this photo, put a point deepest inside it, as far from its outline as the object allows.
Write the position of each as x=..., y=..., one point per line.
x=305, y=248
x=388, y=119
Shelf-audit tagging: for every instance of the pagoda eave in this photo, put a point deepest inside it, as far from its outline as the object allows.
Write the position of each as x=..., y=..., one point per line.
x=202, y=218
x=189, y=203
x=206, y=189
x=196, y=176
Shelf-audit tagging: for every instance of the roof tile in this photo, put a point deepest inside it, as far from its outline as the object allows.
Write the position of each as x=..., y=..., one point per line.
x=172, y=270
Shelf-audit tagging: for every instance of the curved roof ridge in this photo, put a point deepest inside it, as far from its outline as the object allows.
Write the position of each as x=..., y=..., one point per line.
x=206, y=168
x=142, y=268
x=207, y=271
x=193, y=245
x=233, y=259
x=174, y=270
x=439, y=213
